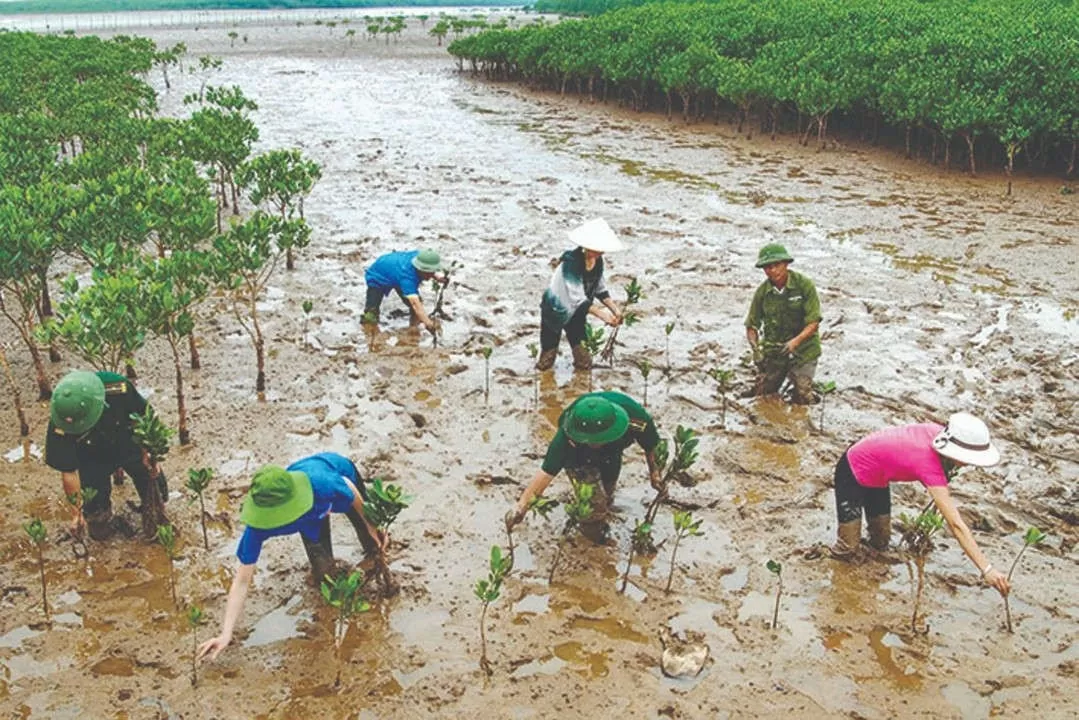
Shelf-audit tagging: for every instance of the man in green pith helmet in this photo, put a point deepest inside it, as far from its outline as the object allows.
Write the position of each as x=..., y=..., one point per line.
x=592, y=433
x=403, y=273
x=787, y=308
x=89, y=437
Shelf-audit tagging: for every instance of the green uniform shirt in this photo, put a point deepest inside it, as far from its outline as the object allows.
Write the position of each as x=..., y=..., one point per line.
x=785, y=313
x=562, y=453
x=109, y=442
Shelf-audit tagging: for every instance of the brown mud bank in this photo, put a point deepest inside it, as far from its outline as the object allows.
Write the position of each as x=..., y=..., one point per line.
x=938, y=295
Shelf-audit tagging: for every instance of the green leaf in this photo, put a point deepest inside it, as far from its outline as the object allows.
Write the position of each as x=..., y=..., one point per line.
x=774, y=567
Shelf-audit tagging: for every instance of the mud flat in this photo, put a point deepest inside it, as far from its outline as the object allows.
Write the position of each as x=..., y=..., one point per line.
x=939, y=294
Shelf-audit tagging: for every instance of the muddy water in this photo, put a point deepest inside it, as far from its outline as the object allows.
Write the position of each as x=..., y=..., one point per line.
x=939, y=294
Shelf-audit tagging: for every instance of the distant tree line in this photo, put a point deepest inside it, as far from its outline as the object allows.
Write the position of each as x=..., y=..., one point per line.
x=109, y=6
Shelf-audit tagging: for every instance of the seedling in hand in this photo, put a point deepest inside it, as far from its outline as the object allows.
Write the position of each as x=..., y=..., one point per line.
x=777, y=570
x=384, y=503
x=916, y=540
x=37, y=532
x=486, y=352
x=344, y=594
x=166, y=536
x=577, y=510
x=153, y=436
x=487, y=591
x=634, y=294
x=198, y=480
x=78, y=501
x=723, y=378
x=1033, y=537
x=194, y=619
x=824, y=389
x=684, y=526
x=640, y=544
x=644, y=365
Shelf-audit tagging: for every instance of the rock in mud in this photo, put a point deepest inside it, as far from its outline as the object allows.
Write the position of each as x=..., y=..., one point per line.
x=683, y=657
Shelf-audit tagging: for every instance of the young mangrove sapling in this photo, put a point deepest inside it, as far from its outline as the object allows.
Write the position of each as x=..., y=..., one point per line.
x=577, y=510
x=641, y=543
x=1033, y=537
x=634, y=295
x=487, y=591
x=645, y=367
x=344, y=594
x=668, y=329
x=198, y=479
x=685, y=456
x=684, y=526
x=916, y=540
x=194, y=619
x=307, y=306
x=37, y=532
x=777, y=570
x=593, y=343
x=384, y=503
x=723, y=378
x=533, y=352
x=166, y=536
x=153, y=436
x=486, y=352
x=824, y=389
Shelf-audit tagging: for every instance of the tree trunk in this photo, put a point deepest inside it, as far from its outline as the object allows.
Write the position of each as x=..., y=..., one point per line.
x=969, y=137
x=1071, y=161
x=24, y=427
x=822, y=131
x=674, y=555
x=196, y=362
x=1012, y=149
x=181, y=408
x=290, y=264
x=669, y=103
x=685, y=106
x=907, y=140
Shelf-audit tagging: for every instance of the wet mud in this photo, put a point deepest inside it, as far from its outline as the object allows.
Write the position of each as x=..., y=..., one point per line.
x=939, y=294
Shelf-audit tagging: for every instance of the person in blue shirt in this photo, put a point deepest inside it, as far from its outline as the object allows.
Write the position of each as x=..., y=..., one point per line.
x=402, y=272
x=298, y=499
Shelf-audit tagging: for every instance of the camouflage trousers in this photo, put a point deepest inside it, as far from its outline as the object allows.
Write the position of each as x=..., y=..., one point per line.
x=773, y=370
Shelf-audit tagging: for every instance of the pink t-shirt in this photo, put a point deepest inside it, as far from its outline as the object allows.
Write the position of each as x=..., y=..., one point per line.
x=899, y=454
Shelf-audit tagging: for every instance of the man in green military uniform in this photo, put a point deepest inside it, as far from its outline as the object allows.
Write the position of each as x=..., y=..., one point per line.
x=90, y=436
x=786, y=306
x=592, y=433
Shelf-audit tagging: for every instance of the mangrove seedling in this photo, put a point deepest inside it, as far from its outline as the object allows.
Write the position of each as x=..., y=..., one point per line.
x=307, y=306
x=577, y=510
x=198, y=479
x=344, y=594
x=533, y=352
x=634, y=294
x=438, y=312
x=37, y=532
x=593, y=343
x=777, y=570
x=194, y=619
x=917, y=542
x=685, y=456
x=723, y=378
x=486, y=352
x=641, y=543
x=487, y=591
x=153, y=436
x=668, y=329
x=644, y=365
x=824, y=389
x=166, y=536
x=1033, y=537
x=78, y=501
x=384, y=503
x=684, y=526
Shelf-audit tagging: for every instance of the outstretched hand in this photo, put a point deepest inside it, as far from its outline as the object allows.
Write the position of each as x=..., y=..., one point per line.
x=213, y=647
x=997, y=579
x=513, y=518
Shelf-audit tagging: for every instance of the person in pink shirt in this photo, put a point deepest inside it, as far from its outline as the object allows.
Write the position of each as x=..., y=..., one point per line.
x=926, y=453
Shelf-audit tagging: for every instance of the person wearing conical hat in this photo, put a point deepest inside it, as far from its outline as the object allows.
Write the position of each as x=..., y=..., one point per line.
x=286, y=501
x=786, y=309
x=403, y=273
x=576, y=283
x=927, y=453
x=89, y=437
x=592, y=434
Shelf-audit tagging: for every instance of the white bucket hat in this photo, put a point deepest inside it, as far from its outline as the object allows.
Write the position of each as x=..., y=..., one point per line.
x=596, y=235
x=966, y=440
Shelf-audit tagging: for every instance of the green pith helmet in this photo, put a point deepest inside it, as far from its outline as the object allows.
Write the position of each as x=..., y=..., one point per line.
x=77, y=402
x=277, y=497
x=427, y=261
x=595, y=421
x=773, y=253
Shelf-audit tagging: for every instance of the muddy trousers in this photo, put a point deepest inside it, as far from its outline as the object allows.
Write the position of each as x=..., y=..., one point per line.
x=372, y=306
x=320, y=552
x=851, y=501
x=772, y=371
x=603, y=478
x=98, y=476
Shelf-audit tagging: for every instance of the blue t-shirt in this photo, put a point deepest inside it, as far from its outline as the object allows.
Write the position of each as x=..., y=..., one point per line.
x=327, y=473
x=395, y=272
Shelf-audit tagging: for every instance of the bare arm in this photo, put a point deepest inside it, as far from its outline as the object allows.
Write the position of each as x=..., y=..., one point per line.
x=613, y=307
x=357, y=505
x=752, y=337
x=942, y=498
x=73, y=487
x=539, y=483
x=417, y=307
x=653, y=470
x=606, y=315
x=807, y=332
x=241, y=581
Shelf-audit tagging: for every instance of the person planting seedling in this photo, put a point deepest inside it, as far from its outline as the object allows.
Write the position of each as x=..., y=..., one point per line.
x=198, y=479
x=166, y=537
x=917, y=541
x=927, y=453
x=578, y=510
x=824, y=389
x=153, y=437
x=344, y=593
x=286, y=501
x=684, y=526
x=723, y=378
x=1033, y=537
x=90, y=435
x=37, y=532
x=487, y=591
x=592, y=434
x=402, y=273
x=576, y=284
x=777, y=570
x=634, y=295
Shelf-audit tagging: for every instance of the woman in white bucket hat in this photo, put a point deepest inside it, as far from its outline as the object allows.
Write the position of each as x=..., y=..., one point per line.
x=927, y=453
x=576, y=282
